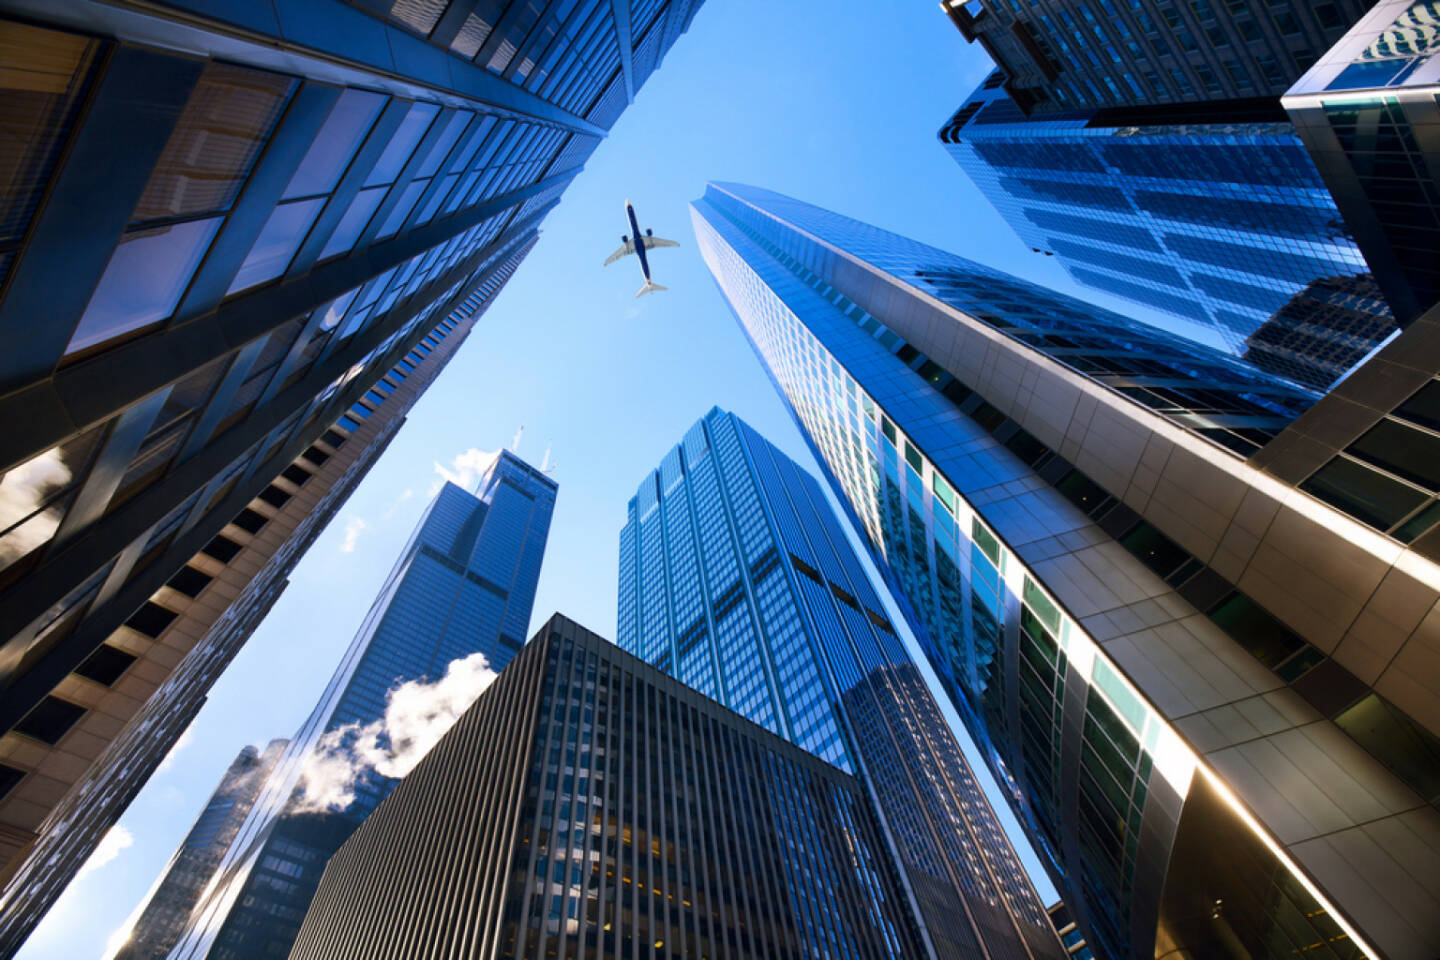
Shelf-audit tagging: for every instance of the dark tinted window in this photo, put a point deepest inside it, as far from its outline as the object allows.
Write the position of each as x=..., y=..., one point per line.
x=50, y=719
x=274, y=496
x=190, y=581
x=151, y=619
x=250, y=521
x=296, y=475
x=1361, y=492
x=9, y=777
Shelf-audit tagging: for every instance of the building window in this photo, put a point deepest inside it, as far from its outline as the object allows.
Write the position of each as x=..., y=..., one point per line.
x=105, y=665
x=222, y=548
x=190, y=581
x=151, y=619
x=35, y=496
x=226, y=121
x=10, y=777
x=51, y=719
x=46, y=75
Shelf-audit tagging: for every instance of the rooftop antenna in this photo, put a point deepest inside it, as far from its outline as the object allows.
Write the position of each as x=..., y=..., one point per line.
x=515, y=442
x=546, y=467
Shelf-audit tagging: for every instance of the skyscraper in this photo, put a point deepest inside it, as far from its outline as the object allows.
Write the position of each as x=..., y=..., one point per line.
x=736, y=577
x=1196, y=682
x=1152, y=55
x=1365, y=111
x=235, y=220
x=611, y=812
x=462, y=588
x=67, y=781
x=174, y=895
x=1225, y=225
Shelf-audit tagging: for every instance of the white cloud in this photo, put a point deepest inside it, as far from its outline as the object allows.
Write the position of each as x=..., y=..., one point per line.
x=417, y=715
x=117, y=838
x=353, y=528
x=466, y=468
x=181, y=743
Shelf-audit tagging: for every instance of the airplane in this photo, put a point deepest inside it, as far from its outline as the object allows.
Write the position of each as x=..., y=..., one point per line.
x=638, y=246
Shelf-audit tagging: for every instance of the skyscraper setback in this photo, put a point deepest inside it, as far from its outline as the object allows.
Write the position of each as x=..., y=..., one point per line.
x=452, y=612
x=235, y=221
x=736, y=577
x=1162, y=650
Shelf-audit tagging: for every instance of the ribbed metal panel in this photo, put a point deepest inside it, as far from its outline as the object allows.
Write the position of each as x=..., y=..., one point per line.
x=588, y=805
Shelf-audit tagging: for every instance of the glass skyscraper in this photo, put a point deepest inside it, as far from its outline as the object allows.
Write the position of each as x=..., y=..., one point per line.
x=736, y=577
x=1225, y=225
x=1365, y=111
x=611, y=812
x=465, y=584
x=175, y=894
x=1166, y=654
x=1145, y=54
x=235, y=220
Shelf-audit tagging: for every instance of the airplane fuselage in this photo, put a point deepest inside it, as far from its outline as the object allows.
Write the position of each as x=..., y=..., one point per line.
x=638, y=240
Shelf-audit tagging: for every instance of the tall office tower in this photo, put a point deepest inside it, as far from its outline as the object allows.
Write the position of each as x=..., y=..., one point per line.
x=231, y=222
x=609, y=811
x=463, y=586
x=1208, y=694
x=1367, y=111
x=1225, y=225
x=175, y=894
x=1150, y=55
x=110, y=722
x=736, y=577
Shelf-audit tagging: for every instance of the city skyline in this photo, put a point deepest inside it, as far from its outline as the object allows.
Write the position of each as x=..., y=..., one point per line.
x=569, y=366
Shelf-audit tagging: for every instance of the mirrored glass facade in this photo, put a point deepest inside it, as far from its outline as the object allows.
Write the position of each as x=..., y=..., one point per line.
x=1100, y=651
x=173, y=897
x=1226, y=225
x=609, y=811
x=1066, y=54
x=1365, y=111
x=736, y=577
x=464, y=585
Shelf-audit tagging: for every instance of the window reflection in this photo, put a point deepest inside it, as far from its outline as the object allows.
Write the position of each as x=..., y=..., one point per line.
x=277, y=243
x=402, y=144
x=35, y=495
x=352, y=224
x=46, y=73
x=144, y=280
x=335, y=144
x=226, y=121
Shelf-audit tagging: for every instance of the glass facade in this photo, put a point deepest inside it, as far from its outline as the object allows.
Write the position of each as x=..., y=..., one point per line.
x=1225, y=225
x=1364, y=111
x=1066, y=54
x=170, y=901
x=1078, y=713
x=465, y=584
x=736, y=578
x=616, y=813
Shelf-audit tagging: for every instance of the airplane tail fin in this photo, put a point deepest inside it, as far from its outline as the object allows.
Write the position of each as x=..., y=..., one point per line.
x=649, y=286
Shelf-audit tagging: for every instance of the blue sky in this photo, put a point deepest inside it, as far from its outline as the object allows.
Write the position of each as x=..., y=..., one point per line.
x=834, y=103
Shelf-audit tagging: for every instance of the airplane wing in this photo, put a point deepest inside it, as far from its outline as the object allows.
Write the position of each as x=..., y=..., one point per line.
x=624, y=251
x=653, y=242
